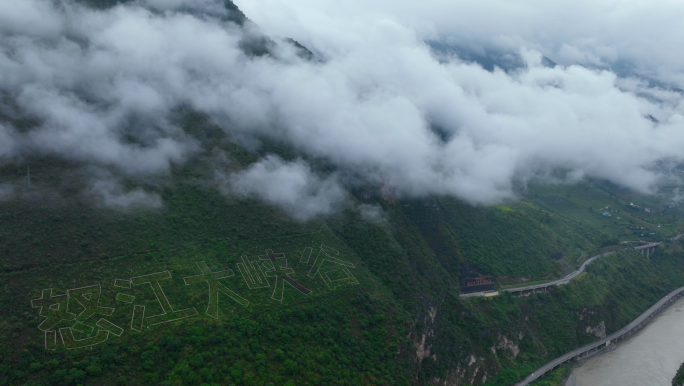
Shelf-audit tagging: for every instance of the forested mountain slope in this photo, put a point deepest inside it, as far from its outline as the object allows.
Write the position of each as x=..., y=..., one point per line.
x=108, y=278
x=383, y=305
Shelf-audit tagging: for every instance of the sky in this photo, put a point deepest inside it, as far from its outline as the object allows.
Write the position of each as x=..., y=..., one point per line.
x=380, y=105
x=641, y=35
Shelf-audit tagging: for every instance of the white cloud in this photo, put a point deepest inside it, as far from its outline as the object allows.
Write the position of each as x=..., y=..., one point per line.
x=111, y=194
x=645, y=34
x=372, y=213
x=6, y=142
x=380, y=107
x=291, y=186
x=171, y=5
x=572, y=54
x=29, y=17
x=6, y=191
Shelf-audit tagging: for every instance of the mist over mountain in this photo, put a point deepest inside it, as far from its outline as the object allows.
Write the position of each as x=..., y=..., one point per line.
x=314, y=193
x=489, y=60
x=105, y=86
x=628, y=37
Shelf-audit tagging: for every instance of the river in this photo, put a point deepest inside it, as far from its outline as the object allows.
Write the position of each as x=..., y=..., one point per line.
x=649, y=358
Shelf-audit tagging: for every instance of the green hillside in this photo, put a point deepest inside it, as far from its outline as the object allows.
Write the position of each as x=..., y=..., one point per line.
x=383, y=307
x=208, y=289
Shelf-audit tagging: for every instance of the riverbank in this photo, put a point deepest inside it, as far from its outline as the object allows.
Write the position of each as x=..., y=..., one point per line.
x=597, y=347
x=650, y=357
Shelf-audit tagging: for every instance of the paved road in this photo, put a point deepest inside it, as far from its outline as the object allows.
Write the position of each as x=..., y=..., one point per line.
x=567, y=278
x=571, y=276
x=575, y=353
x=607, y=340
x=476, y=294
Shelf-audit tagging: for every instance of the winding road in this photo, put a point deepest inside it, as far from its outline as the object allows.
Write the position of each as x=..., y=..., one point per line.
x=636, y=325
x=567, y=278
x=592, y=348
x=573, y=275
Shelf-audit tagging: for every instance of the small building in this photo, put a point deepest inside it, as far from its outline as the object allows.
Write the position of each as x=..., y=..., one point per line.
x=606, y=214
x=648, y=210
x=478, y=281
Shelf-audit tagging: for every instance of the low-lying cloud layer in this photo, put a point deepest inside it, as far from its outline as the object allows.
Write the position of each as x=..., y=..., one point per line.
x=6, y=191
x=291, y=186
x=633, y=37
x=109, y=193
x=103, y=87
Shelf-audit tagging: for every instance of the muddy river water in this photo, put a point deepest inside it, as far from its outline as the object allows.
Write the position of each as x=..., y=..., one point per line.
x=649, y=358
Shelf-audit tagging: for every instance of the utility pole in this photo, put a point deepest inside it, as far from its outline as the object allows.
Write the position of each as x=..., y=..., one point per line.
x=28, y=171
